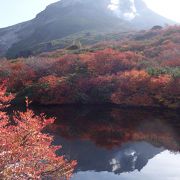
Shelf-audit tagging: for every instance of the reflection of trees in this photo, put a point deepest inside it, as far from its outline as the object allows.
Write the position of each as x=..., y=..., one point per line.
x=112, y=127
x=112, y=139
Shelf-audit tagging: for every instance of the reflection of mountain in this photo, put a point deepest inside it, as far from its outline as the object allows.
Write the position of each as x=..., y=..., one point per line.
x=111, y=139
x=129, y=157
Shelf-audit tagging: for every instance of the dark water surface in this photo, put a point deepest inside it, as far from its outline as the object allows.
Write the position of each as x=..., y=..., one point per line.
x=118, y=144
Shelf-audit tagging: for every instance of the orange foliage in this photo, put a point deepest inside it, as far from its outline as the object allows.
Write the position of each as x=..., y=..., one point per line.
x=54, y=90
x=160, y=82
x=26, y=152
x=143, y=69
x=132, y=88
x=109, y=61
x=20, y=75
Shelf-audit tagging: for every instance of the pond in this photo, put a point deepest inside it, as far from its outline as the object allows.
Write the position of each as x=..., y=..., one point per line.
x=113, y=143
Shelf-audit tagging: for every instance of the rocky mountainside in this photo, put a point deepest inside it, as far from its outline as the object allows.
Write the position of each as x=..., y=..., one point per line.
x=69, y=17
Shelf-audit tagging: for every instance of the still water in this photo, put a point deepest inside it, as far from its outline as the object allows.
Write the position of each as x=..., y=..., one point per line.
x=118, y=144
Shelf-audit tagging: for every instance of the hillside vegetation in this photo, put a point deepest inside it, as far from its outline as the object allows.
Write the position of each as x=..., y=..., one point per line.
x=142, y=69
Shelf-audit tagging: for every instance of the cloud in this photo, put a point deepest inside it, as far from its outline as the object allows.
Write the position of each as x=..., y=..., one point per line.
x=114, y=5
x=125, y=9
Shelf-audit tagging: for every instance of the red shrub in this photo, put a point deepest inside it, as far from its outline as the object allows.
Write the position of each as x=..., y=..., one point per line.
x=26, y=152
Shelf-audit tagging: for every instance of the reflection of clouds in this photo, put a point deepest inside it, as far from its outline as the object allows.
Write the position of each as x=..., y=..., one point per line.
x=128, y=156
x=115, y=164
x=134, y=162
x=165, y=166
x=130, y=152
x=133, y=156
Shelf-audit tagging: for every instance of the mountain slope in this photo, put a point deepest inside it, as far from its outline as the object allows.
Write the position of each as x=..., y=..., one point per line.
x=62, y=19
x=143, y=69
x=68, y=17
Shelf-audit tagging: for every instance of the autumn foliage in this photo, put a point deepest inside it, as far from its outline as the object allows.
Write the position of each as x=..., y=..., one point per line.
x=141, y=70
x=25, y=151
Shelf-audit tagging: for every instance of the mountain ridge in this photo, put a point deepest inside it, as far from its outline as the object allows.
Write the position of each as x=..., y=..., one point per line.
x=67, y=17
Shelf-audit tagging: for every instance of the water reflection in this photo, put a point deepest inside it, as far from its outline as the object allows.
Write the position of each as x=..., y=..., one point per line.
x=164, y=166
x=111, y=143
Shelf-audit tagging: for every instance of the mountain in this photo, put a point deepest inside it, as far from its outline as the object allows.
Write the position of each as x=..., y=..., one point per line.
x=130, y=157
x=67, y=18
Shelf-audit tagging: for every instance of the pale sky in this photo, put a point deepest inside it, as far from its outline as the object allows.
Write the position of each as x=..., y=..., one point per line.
x=167, y=8
x=16, y=11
